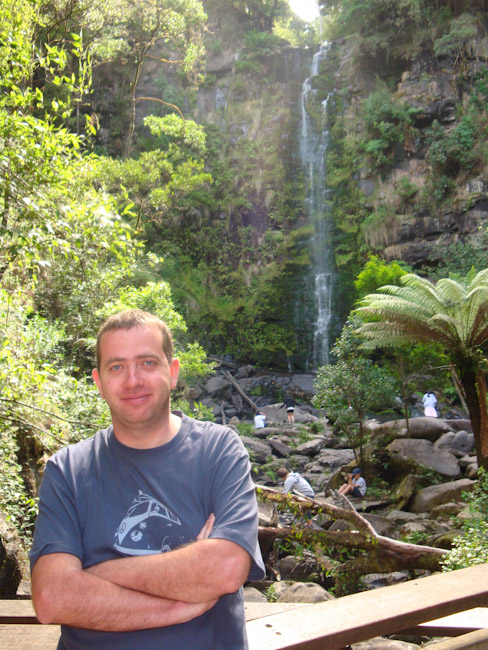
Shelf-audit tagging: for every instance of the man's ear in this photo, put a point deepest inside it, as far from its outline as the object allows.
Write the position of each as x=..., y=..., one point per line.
x=174, y=369
x=96, y=379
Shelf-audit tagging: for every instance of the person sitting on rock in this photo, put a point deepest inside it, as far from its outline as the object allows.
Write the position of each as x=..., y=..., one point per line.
x=355, y=486
x=295, y=483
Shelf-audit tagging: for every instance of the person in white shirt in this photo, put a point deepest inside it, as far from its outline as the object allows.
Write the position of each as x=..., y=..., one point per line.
x=260, y=420
x=430, y=402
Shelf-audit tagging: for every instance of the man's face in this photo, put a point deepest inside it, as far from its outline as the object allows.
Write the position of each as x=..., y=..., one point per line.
x=135, y=378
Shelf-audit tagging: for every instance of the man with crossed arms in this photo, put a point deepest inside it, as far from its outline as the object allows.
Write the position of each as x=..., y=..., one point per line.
x=146, y=531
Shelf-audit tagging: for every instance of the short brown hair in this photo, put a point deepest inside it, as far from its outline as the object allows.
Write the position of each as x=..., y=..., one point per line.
x=282, y=472
x=126, y=320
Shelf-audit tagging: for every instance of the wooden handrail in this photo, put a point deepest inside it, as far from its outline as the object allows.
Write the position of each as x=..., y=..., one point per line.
x=336, y=623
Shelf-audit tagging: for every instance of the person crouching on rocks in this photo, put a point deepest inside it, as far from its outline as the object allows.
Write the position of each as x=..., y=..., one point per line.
x=355, y=486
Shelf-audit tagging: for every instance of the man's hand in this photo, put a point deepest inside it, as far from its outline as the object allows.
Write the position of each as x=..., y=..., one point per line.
x=207, y=528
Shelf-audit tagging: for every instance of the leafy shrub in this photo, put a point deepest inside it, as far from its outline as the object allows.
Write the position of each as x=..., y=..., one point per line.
x=387, y=123
x=471, y=547
x=462, y=29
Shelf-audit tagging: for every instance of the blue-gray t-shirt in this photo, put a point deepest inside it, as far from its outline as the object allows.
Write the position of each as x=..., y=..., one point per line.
x=101, y=500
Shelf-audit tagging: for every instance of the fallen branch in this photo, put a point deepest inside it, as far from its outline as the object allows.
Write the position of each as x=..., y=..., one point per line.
x=230, y=378
x=364, y=537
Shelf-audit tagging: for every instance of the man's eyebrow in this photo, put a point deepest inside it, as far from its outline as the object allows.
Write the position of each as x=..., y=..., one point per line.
x=144, y=355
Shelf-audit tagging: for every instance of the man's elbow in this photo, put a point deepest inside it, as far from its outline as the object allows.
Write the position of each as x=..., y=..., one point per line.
x=44, y=602
x=235, y=571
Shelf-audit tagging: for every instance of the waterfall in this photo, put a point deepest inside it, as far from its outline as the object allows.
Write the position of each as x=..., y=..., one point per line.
x=313, y=146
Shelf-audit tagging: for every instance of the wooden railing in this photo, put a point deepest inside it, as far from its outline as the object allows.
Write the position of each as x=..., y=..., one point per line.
x=415, y=606
x=335, y=624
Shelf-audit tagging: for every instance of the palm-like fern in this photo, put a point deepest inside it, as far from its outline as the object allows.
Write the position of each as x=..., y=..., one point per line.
x=453, y=313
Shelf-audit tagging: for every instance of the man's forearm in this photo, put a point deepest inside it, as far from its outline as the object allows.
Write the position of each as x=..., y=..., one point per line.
x=65, y=594
x=201, y=571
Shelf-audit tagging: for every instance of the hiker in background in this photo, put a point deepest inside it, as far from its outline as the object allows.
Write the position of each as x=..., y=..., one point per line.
x=290, y=409
x=355, y=486
x=430, y=402
x=260, y=420
x=295, y=483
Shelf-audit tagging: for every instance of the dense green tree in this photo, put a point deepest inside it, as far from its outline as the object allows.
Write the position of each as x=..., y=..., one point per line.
x=35, y=149
x=453, y=314
x=351, y=387
x=376, y=273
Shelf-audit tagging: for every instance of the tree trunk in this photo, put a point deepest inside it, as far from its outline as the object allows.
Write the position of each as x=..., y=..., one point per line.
x=474, y=384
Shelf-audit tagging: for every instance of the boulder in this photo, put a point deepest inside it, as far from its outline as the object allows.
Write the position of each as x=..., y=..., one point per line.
x=446, y=510
x=461, y=442
x=404, y=491
x=303, y=569
x=407, y=454
x=310, y=448
x=377, y=580
x=435, y=495
x=400, y=516
x=301, y=386
x=334, y=458
x=258, y=451
x=218, y=386
x=307, y=592
x=460, y=425
x=279, y=448
x=382, y=525
x=253, y=595
x=268, y=514
x=423, y=427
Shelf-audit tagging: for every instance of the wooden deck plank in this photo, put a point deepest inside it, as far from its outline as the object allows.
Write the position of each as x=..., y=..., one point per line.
x=473, y=641
x=29, y=637
x=350, y=619
x=460, y=623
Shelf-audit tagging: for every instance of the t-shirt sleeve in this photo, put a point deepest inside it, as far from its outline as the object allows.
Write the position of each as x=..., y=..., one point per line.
x=231, y=493
x=57, y=526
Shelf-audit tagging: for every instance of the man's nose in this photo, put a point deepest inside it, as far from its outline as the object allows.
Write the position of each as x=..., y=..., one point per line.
x=133, y=376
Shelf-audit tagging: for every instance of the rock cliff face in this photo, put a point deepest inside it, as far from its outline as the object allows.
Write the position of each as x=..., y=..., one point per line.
x=438, y=89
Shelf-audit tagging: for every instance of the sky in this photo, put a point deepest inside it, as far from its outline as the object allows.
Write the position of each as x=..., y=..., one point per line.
x=305, y=9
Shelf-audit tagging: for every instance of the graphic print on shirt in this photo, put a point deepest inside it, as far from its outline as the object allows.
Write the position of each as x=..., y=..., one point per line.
x=148, y=528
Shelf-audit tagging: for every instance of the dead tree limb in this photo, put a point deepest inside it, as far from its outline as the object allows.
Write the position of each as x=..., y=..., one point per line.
x=230, y=378
x=362, y=537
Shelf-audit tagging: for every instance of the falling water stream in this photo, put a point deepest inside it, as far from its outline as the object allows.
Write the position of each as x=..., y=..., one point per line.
x=313, y=146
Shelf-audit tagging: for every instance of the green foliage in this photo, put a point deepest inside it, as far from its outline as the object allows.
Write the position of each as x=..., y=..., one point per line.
x=42, y=405
x=471, y=547
x=387, y=123
x=258, y=47
x=377, y=273
x=196, y=410
x=462, y=29
x=382, y=26
x=350, y=388
x=270, y=594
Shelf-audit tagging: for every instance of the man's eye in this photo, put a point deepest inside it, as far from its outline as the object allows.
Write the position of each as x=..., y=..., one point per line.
x=115, y=367
x=149, y=362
